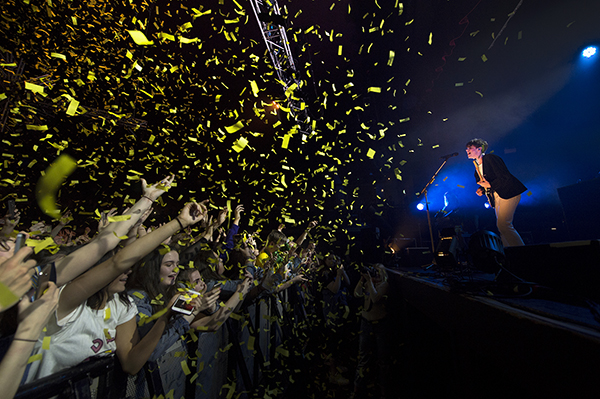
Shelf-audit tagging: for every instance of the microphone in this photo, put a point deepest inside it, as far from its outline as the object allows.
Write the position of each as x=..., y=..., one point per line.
x=449, y=156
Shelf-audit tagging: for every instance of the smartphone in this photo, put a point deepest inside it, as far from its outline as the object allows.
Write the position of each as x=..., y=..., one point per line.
x=183, y=306
x=19, y=242
x=12, y=207
x=40, y=279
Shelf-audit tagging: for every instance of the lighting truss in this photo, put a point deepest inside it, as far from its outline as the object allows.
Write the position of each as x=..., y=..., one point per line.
x=270, y=21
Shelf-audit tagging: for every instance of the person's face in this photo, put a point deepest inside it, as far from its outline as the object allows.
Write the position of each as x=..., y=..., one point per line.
x=197, y=282
x=473, y=152
x=168, y=269
x=274, y=246
x=330, y=261
x=118, y=284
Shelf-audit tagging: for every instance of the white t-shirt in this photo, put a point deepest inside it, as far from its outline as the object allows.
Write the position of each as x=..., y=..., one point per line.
x=80, y=335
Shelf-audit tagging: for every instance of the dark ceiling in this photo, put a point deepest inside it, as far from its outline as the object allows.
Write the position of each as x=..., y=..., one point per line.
x=411, y=81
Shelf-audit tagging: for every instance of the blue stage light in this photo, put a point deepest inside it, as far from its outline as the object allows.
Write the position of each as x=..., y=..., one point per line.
x=589, y=52
x=420, y=206
x=487, y=205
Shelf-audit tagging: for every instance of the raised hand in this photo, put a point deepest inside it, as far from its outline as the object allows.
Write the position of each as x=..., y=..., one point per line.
x=152, y=192
x=222, y=215
x=299, y=279
x=34, y=316
x=192, y=213
x=15, y=277
x=209, y=300
x=103, y=222
x=65, y=219
x=237, y=213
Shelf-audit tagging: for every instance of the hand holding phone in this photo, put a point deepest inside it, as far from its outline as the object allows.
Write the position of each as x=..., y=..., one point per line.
x=184, y=304
x=41, y=278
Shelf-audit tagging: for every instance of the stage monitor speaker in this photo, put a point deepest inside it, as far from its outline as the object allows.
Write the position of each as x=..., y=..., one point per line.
x=581, y=213
x=417, y=256
x=571, y=267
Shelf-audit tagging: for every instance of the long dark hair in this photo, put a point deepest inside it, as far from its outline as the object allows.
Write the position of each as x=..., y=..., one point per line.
x=145, y=276
x=95, y=301
x=207, y=269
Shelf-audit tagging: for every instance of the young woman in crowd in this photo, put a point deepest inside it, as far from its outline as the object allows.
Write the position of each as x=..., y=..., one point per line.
x=95, y=316
x=154, y=280
x=374, y=345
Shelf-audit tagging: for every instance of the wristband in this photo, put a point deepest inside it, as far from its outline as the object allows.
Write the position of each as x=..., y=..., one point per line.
x=181, y=224
x=148, y=198
x=26, y=340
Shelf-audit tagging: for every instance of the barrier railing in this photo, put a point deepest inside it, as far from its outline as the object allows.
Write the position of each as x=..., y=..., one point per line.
x=231, y=359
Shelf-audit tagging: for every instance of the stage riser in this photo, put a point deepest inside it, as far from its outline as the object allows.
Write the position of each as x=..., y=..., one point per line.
x=571, y=267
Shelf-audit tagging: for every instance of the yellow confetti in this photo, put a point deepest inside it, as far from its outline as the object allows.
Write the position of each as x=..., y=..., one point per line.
x=240, y=144
x=371, y=153
x=73, y=105
x=139, y=38
x=34, y=88
x=185, y=367
x=7, y=297
x=119, y=218
x=50, y=182
x=58, y=55
x=35, y=358
x=46, y=343
x=36, y=127
x=234, y=128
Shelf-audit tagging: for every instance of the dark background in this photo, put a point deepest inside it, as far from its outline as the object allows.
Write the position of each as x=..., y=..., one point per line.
x=533, y=99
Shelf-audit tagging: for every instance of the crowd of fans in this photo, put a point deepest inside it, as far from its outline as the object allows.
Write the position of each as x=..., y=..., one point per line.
x=140, y=292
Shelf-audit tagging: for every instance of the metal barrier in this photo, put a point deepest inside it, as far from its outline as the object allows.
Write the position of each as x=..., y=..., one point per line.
x=231, y=359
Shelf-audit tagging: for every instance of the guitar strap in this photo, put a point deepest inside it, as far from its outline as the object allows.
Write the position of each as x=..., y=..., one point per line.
x=488, y=192
x=477, y=169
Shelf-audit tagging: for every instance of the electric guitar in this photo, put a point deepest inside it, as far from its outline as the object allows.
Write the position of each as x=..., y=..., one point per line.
x=489, y=193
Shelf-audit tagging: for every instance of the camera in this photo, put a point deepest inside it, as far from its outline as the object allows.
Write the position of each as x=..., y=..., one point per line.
x=370, y=270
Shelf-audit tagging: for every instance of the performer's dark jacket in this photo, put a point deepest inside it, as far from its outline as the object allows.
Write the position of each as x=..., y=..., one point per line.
x=497, y=174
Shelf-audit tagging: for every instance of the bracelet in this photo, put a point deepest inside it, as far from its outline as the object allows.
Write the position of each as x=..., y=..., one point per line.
x=181, y=224
x=26, y=340
x=148, y=198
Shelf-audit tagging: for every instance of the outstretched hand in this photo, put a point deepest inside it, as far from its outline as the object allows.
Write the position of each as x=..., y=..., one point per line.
x=33, y=316
x=152, y=192
x=15, y=277
x=192, y=213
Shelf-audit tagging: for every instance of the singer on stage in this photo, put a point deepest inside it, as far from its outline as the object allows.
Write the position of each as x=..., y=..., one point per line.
x=502, y=189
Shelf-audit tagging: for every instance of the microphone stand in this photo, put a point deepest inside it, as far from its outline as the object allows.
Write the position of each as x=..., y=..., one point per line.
x=424, y=191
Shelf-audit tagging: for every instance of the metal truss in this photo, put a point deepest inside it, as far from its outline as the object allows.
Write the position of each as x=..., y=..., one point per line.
x=272, y=26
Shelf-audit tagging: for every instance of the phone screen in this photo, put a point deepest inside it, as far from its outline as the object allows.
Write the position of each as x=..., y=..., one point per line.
x=42, y=276
x=11, y=208
x=182, y=306
x=19, y=242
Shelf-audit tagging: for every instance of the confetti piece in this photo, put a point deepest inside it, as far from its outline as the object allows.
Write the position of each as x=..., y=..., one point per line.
x=47, y=242
x=34, y=88
x=235, y=128
x=73, y=105
x=7, y=298
x=35, y=358
x=50, y=182
x=139, y=38
x=46, y=343
x=240, y=144
x=371, y=153
x=118, y=218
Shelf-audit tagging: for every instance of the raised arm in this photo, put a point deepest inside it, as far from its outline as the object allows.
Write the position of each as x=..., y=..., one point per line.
x=214, y=321
x=302, y=237
x=32, y=319
x=98, y=277
x=82, y=259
